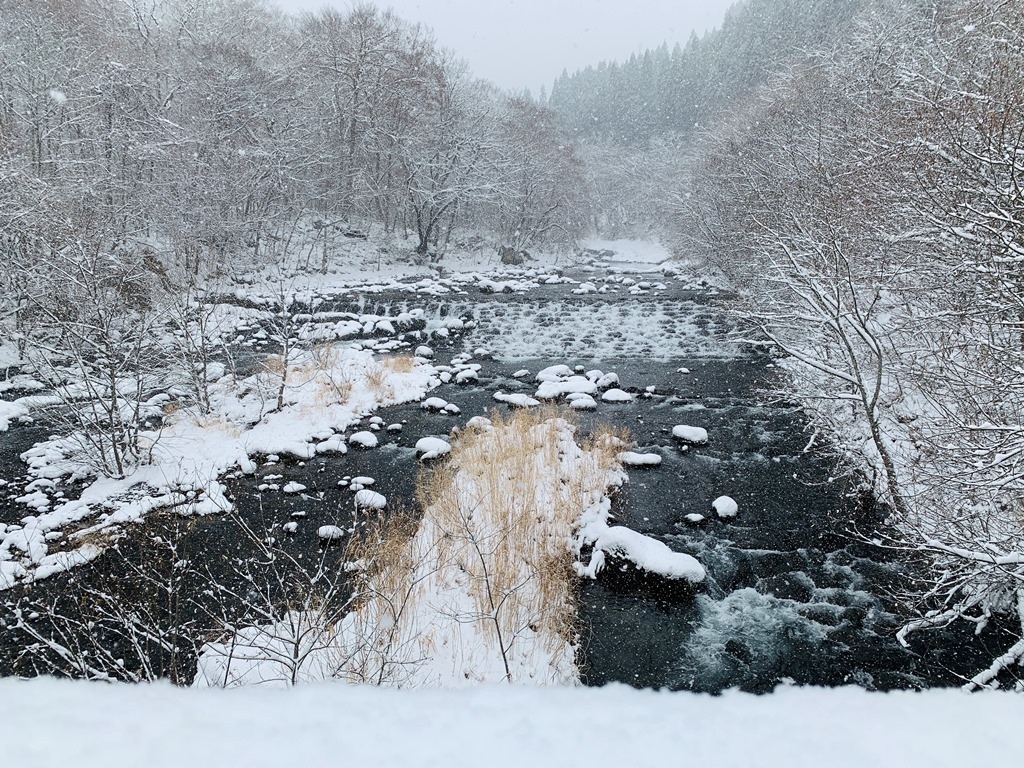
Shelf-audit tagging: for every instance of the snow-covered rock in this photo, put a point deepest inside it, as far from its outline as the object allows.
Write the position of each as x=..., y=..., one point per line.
x=294, y=487
x=363, y=439
x=650, y=554
x=695, y=435
x=632, y=459
x=725, y=507
x=333, y=444
x=516, y=399
x=424, y=351
x=553, y=389
x=367, y=499
x=617, y=396
x=583, y=403
x=330, y=532
x=432, y=447
x=434, y=404
x=554, y=373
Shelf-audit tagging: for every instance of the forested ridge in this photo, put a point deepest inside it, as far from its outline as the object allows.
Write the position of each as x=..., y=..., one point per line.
x=678, y=90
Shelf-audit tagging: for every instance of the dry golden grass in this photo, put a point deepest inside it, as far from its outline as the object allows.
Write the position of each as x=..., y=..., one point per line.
x=498, y=516
x=377, y=381
x=506, y=509
x=607, y=442
x=273, y=364
x=398, y=363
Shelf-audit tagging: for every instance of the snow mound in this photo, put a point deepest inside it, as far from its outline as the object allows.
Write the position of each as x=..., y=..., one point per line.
x=617, y=396
x=554, y=388
x=633, y=459
x=695, y=435
x=725, y=507
x=517, y=399
x=363, y=439
x=330, y=532
x=650, y=555
x=367, y=499
x=432, y=448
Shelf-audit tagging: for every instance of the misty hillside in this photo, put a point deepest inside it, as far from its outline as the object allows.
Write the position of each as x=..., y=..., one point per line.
x=676, y=90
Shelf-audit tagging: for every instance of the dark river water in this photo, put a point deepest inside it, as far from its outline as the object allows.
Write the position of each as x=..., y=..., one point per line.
x=790, y=596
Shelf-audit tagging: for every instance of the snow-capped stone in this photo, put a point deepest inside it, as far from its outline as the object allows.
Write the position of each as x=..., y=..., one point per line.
x=520, y=374
x=394, y=428
x=725, y=507
x=291, y=527
x=453, y=409
x=516, y=399
x=583, y=403
x=363, y=439
x=363, y=481
x=632, y=459
x=424, y=352
x=434, y=404
x=481, y=423
x=294, y=487
x=334, y=444
x=466, y=376
x=330, y=532
x=554, y=373
x=432, y=447
x=617, y=396
x=650, y=555
x=606, y=380
x=696, y=435
x=694, y=518
x=367, y=499
x=551, y=390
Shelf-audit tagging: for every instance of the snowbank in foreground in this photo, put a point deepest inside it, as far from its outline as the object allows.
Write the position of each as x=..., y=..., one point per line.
x=46, y=722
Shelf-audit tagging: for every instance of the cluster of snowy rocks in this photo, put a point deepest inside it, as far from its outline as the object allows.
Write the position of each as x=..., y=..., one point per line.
x=579, y=388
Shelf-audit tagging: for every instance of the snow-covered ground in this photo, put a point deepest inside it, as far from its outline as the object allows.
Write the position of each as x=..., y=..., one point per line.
x=50, y=723
x=325, y=392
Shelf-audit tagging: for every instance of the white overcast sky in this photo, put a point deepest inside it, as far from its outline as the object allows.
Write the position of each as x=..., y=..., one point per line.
x=526, y=43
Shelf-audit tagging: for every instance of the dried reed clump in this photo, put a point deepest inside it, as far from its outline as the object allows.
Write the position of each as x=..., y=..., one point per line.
x=505, y=506
x=398, y=363
x=377, y=376
x=481, y=586
x=607, y=442
x=274, y=364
